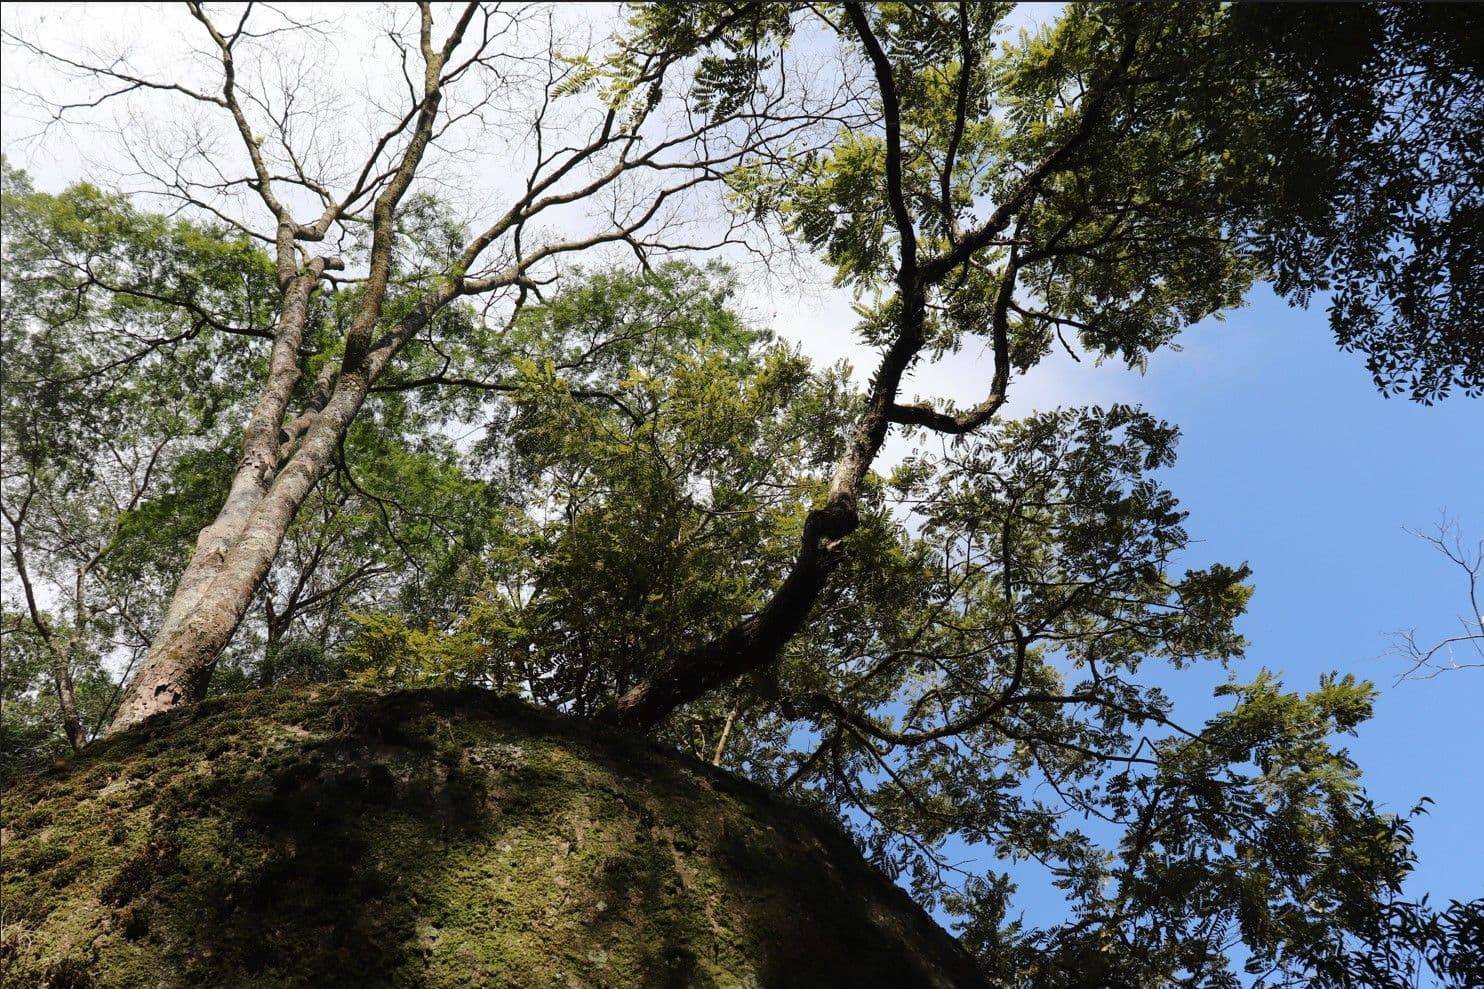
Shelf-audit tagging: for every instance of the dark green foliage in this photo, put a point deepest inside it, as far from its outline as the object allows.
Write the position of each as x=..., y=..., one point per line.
x=1376, y=192
x=655, y=450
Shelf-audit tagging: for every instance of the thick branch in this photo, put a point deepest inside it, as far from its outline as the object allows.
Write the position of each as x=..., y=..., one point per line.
x=358, y=339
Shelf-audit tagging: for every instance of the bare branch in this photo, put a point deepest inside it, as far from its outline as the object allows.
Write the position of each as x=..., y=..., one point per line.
x=1442, y=655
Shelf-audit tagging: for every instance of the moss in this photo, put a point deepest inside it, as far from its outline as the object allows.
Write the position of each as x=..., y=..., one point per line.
x=331, y=837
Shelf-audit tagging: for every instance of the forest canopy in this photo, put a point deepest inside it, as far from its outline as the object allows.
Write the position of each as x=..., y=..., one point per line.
x=298, y=410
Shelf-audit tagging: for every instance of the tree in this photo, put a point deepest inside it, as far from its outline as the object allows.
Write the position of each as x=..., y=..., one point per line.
x=1117, y=175
x=931, y=644
x=1378, y=201
x=1183, y=169
x=117, y=420
x=625, y=152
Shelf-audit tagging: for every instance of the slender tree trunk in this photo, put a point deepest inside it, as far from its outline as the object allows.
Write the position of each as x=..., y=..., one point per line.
x=61, y=652
x=721, y=743
x=62, y=659
x=270, y=647
x=67, y=697
x=234, y=554
x=232, y=558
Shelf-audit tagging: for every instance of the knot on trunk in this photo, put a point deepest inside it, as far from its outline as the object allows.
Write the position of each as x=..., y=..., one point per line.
x=825, y=528
x=836, y=520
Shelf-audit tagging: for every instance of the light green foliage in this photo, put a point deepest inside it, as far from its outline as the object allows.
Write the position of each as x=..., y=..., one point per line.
x=731, y=43
x=31, y=731
x=108, y=396
x=1107, y=247
x=387, y=650
x=1261, y=825
x=120, y=411
x=658, y=452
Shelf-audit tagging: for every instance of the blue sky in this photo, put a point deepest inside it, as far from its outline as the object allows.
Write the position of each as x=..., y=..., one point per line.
x=1291, y=461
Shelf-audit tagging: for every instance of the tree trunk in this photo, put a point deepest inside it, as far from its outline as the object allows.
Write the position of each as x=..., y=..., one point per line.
x=270, y=647
x=67, y=697
x=234, y=552
x=61, y=653
x=233, y=556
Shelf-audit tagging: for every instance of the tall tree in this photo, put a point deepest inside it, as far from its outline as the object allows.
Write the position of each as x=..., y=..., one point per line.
x=1116, y=175
x=118, y=419
x=617, y=156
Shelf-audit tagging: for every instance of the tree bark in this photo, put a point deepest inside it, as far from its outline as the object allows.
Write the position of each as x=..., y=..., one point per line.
x=234, y=554
x=67, y=697
x=274, y=476
x=208, y=602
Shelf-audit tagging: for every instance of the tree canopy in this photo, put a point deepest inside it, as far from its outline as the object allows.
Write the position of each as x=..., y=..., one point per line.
x=414, y=444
